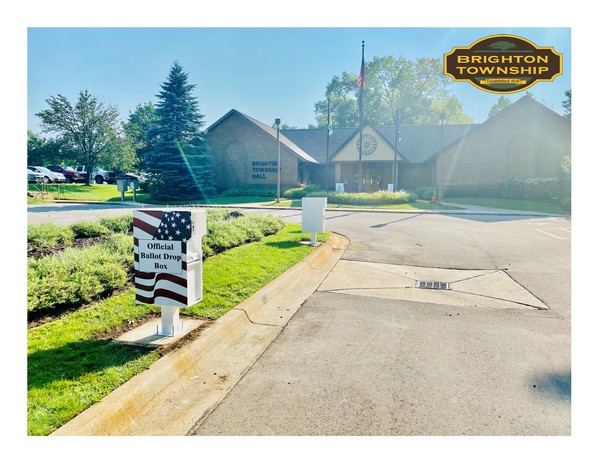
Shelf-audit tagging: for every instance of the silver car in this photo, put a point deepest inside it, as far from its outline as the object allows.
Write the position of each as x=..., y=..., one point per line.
x=34, y=177
x=49, y=176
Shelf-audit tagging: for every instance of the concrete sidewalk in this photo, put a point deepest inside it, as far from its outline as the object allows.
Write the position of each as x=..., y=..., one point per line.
x=186, y=385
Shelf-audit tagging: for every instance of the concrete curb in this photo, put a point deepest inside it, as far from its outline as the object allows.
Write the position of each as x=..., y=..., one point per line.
x=181, y=389
x=465, y=209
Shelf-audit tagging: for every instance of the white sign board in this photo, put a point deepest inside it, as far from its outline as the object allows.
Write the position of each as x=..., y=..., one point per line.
x=390, y=187
x=160, y=256
x=313, y=214
x=339, y=187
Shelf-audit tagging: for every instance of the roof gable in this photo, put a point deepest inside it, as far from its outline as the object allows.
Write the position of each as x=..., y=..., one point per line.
x=270, y=131
x=525, y=105
x=417, y=143
x=381, y=154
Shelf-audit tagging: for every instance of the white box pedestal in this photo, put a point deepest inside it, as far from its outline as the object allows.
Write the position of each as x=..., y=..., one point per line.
x=169, y=321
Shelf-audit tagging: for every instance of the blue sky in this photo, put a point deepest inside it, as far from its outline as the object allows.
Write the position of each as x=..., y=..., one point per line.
x=263, y=72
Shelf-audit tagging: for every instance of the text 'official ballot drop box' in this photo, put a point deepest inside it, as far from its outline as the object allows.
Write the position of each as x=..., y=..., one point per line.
x=313, y=216
x=167, y=247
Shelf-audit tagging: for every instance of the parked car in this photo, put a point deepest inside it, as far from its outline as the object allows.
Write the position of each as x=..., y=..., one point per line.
x=71, y=175
x=49, y=176
x=129, y=176
x=34, y=177
x=98, y=175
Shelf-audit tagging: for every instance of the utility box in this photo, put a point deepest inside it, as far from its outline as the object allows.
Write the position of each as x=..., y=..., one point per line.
x=122, y=185
x=313, y=216
x=339, y=187
x=167, y=250
x=390, y=188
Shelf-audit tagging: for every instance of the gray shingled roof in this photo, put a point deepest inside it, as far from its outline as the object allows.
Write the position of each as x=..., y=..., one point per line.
x=417, y=144
x=298, y=151
x=314, y=141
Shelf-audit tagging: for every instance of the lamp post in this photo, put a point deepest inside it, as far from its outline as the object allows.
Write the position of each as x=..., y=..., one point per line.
x=277, y=124
x=442, y=122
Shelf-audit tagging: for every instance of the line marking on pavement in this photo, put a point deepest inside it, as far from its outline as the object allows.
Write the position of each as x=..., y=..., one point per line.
x=559, y=237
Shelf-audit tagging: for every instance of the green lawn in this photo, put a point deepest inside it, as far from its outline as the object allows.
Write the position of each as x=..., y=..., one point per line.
x=82, y=192
x=107, y=192
x=518, y=205
x=72, y=366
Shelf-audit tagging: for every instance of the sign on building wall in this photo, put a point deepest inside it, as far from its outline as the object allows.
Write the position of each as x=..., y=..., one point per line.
x=262, y=170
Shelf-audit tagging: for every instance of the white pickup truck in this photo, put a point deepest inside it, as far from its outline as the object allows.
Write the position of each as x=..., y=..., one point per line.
x=98, y=175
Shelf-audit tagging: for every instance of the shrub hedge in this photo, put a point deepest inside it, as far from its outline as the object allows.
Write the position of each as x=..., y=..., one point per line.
x=77, y=276
x=85, y=229
x=381, y=197
x=297, y=193
x=48, y=235
x=225, y=230
x=367, y=199
x=552, y=190
x=119, y=224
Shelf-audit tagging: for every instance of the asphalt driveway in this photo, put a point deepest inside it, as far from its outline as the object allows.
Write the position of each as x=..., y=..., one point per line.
x=360, y=358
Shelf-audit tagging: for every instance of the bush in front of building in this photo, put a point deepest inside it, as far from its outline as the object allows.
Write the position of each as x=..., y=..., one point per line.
x=381, y=197
x=299, y=192
x=424, y=193
x=551, y=190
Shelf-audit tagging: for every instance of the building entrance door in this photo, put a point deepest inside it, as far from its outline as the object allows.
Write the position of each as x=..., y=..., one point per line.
x=372, y=180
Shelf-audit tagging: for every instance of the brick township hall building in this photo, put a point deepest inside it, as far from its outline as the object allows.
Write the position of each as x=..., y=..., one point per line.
x=525, y=140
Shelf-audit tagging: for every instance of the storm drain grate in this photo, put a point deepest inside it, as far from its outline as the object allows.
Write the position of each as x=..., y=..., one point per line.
x=433, y=285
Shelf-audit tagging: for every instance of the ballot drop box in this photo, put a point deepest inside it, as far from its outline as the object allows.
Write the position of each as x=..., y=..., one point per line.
x=167, y=246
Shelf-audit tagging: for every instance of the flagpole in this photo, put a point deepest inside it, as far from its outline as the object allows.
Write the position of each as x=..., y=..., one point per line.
x=328, y=127
x=397, y=136
x=328, y=168
x=361, y=81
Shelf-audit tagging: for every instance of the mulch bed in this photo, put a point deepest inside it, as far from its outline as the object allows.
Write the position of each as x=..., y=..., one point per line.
x=36, y=253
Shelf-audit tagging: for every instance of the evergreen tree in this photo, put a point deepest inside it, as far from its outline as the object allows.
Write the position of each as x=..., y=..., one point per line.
x=178, y=162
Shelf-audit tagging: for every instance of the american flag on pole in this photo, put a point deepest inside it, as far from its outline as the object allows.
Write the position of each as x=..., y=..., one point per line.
x=161, y=288
x=361, y=83
x=361, y=76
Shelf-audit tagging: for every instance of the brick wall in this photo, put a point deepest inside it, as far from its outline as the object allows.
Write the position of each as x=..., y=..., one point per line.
x=524, y=141
x=247, y=156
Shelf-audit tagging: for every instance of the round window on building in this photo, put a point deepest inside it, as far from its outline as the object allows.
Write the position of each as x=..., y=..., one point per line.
x=369, y=144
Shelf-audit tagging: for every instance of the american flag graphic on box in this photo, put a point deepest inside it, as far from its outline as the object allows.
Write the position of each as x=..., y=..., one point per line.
x=161, y=230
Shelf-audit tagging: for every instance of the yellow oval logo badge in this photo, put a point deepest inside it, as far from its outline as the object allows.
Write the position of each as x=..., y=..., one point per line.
x=503, y=64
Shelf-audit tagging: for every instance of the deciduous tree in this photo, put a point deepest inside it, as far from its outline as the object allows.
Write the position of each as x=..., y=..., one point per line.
x=503, y=102
x=89, y=127
x=418, y=88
